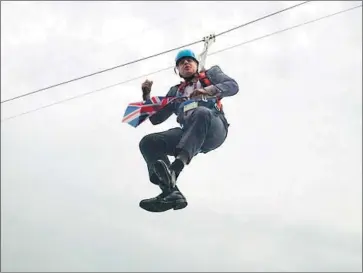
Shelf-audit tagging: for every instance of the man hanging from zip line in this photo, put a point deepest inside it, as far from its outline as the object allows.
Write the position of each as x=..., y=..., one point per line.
x=203, y=128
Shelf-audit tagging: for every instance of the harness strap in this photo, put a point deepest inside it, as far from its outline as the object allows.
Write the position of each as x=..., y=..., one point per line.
x=202, y=77
x=206, y=82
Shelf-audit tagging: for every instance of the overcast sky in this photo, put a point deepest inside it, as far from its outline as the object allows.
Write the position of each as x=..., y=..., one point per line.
x=283, y=193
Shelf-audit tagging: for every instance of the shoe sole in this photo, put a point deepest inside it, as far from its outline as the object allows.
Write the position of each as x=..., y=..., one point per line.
x=162, y=172
x=164, y=206
x=151, y=207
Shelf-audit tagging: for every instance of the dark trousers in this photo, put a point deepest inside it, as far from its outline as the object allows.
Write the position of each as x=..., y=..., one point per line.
x=203, y=131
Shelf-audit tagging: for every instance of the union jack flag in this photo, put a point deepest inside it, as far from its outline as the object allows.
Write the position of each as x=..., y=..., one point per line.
x=138, y=112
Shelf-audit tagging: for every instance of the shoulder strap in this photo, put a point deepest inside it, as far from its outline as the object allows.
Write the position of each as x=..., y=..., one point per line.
x=204, y=79
x=181, y=87
x=206, y=82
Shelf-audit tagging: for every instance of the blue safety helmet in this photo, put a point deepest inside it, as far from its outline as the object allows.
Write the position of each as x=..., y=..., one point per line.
x=185, y=53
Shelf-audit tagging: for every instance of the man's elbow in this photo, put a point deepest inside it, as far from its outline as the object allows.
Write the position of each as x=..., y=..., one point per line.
x=229, y=89
x=234, y=88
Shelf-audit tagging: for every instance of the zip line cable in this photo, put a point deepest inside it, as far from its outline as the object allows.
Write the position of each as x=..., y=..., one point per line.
x=285, y=29
x=88, y=93
x=151, y=56
x=261, y=18
x=170, y=67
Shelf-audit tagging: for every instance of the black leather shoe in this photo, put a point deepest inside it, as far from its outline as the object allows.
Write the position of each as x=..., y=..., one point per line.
x=165, y=201
x=166, y=176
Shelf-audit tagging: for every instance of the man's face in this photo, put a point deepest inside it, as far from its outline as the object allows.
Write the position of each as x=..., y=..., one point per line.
x=187, y=67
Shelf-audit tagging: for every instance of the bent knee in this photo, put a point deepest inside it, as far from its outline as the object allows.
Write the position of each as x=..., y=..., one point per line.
x=146, y=142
